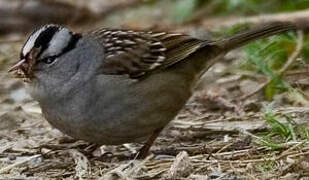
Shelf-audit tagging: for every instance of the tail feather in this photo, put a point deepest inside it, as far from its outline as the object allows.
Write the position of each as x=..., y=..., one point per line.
x=245, y=37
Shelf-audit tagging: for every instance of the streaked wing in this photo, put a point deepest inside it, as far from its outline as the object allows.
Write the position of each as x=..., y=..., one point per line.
x=136, y=52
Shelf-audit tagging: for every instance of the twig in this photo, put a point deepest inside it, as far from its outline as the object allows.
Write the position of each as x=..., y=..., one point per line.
x=126, y=171
x=224, y=147
x=8, y=168
x=299, y=17
x=299, y=154
x=82, y=164
x=256, y=160
x=246, y=96
x=290, y=110
x=297, y=72
x=252, y=135
x=286, y=152
x=296, y=53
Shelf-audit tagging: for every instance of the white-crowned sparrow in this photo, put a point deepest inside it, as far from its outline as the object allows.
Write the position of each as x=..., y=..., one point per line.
x=112, y=86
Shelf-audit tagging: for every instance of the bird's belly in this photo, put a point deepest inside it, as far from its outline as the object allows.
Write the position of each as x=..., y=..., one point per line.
x=121, y=116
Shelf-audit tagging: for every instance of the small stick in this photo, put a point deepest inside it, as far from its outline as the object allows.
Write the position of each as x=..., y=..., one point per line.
x=8, y=168
x=296, y=53
x=298, y=17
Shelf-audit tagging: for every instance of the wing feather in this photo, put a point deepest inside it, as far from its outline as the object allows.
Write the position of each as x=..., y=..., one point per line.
x=136, y=53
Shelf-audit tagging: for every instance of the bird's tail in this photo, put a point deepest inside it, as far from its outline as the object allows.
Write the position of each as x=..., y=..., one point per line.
x=247, y=36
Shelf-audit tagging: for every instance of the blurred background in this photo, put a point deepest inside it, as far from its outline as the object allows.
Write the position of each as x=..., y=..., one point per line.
x=261, y=88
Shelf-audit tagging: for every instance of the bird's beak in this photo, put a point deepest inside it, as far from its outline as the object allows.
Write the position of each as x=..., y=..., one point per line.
x=24, y=67
x=17, y=66
x=19, y=69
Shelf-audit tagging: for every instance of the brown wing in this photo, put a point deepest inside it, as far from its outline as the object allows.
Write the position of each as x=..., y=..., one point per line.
x=135, y=52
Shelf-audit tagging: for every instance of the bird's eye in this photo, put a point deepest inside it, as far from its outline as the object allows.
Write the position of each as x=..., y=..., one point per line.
x=49, y=60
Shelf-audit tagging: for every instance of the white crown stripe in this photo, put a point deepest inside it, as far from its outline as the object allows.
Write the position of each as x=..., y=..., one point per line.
x=31, y=40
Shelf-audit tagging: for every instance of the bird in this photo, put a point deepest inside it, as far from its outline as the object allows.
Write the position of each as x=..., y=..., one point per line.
x=115, y=86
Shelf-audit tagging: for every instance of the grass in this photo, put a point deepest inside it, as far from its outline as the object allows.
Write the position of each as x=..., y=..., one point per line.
x=266, y=166
x=268, y=56
x=283, y=129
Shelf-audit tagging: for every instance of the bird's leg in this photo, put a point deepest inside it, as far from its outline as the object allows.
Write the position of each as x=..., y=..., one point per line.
x=142, y=153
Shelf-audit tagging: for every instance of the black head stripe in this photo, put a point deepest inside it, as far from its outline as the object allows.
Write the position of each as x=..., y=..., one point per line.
x=72, y=43
x=45, y=37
